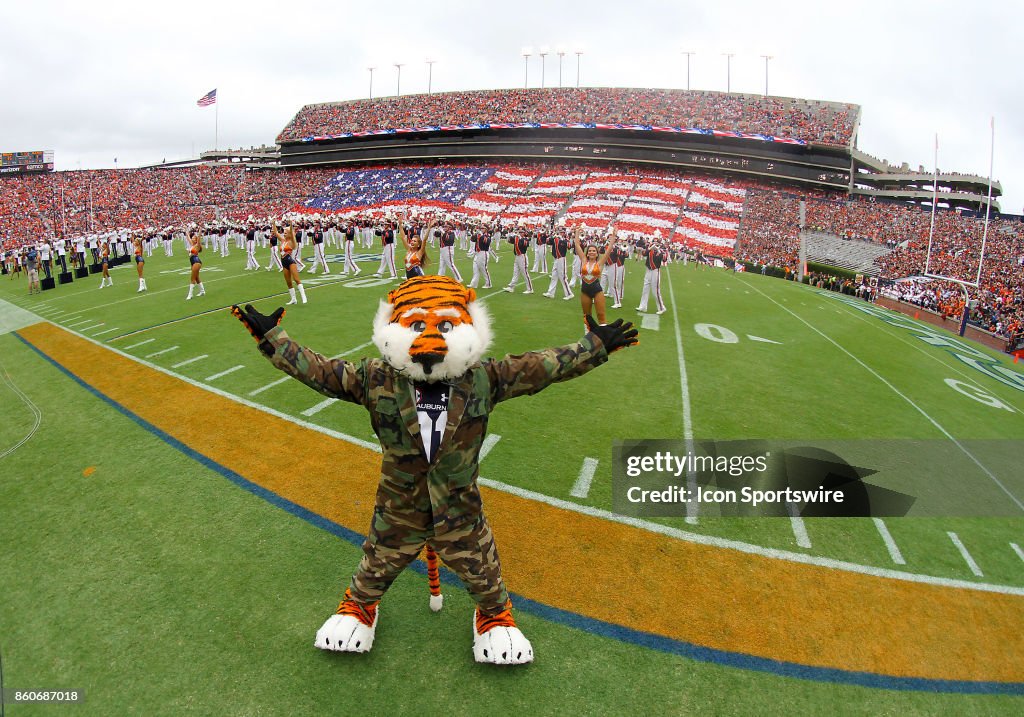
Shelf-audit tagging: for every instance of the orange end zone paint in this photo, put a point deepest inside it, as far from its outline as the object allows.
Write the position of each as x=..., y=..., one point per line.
x=704, y=595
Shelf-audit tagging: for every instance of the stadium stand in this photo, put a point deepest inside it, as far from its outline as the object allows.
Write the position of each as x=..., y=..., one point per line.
x=827, y=123
x=720, y=216
x=857, y=255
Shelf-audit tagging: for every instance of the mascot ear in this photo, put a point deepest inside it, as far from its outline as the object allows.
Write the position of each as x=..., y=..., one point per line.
x=470, y=295
x=391, y=296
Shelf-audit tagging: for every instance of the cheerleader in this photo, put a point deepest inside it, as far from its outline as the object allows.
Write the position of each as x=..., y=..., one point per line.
x=140, y=262
x=415, y=251
x=591, y=263
x=195, y=247
x=287, y=244
x=104, y=257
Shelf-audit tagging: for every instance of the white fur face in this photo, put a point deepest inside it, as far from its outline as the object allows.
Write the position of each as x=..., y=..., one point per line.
x=452, y=338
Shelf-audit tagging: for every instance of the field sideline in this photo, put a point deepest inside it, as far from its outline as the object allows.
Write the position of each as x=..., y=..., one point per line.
x=736, y=357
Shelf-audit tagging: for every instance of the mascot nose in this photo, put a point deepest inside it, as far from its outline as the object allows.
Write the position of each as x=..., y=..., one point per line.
x=428, y=360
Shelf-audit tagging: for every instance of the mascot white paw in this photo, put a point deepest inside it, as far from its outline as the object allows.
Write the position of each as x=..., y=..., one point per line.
x=352, y=631
x=501, y=643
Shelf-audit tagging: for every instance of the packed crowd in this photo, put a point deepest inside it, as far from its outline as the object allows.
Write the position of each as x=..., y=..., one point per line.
x=71, y=203
x=770, y=231
x=956, y=252
x=764, y=220
x=809, y=120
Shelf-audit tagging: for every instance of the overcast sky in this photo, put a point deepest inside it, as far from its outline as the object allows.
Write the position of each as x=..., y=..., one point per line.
x=104, y=79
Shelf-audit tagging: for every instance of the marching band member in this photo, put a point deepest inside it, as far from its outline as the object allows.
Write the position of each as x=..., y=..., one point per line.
x=520, y=245
x=559, y=248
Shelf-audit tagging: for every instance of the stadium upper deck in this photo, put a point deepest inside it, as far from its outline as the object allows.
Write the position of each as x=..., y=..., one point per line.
x=782, y=118
x=811, y=144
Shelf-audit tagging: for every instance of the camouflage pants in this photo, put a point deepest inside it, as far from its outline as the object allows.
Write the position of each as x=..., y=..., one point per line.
x=468, y=551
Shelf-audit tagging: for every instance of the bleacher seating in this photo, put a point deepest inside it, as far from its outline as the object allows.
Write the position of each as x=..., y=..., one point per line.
x=769, y=118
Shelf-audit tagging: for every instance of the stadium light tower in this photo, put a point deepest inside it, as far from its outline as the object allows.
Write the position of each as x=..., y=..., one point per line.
x=728, y=70
x=430, y=73
x=688, y=53
x=544, y=52
x=371, y=69
x=527, y=51
x=579, y=51
x=561, y=54
x=398, y=85
x=766, y=58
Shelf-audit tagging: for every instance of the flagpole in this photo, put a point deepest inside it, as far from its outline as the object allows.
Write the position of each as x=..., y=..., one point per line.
x=216, y=121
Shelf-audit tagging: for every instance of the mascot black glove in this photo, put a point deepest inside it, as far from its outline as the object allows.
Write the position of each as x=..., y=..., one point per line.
x=257, y=323
x=615, y=335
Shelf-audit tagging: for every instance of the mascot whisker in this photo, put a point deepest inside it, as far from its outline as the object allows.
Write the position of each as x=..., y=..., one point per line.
x=429, y=398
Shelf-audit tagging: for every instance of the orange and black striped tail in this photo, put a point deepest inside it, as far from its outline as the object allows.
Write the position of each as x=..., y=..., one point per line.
x=433, y=573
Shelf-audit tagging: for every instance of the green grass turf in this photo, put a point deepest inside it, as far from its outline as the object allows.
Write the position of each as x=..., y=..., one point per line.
x=158, y=586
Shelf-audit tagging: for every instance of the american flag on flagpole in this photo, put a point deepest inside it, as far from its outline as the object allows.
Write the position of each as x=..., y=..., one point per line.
x=208, y=99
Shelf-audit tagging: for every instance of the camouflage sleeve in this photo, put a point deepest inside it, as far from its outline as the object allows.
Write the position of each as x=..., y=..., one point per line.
x=334, y=378
x=529, y=373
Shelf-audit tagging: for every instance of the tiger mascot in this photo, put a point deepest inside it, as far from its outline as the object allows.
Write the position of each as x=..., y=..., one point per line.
x=429, y=398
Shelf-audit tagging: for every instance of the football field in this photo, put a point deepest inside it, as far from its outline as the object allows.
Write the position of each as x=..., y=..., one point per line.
x=179, y=517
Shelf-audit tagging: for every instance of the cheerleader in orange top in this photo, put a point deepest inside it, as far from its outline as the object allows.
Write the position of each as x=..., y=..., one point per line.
x=140, y=262
x=104, y=261
x=195, y=246
x=415, y=250
x=286, y=245
x=591, y=264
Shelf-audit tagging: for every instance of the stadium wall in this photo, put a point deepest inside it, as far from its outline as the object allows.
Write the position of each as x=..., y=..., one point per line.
x=973, y=332
x=808, y=166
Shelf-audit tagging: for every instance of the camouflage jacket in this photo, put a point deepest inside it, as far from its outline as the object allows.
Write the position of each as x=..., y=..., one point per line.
x=389, y=396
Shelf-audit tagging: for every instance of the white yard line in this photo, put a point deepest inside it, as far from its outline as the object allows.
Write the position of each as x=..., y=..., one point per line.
x=215, y=376
x=581, y=488
x=313, y=410
x=749, y=548
x=1016, y=549
x=161, y=352
x=953, y=366
x=963, y=551
x=895, y=390
x=651, y=322
x=141, y=343
x=799, y=529
x=186, y=362
x=350, y=351
x=108, y=331
x=278, y=382
x=489, y=442
x=684, y=389
x=890, y=544
x=639, y=523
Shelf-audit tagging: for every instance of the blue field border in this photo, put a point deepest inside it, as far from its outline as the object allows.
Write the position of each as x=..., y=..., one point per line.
x=565, y=617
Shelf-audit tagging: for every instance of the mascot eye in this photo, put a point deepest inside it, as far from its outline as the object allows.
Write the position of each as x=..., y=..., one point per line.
x=445, y=326
x=418, y=326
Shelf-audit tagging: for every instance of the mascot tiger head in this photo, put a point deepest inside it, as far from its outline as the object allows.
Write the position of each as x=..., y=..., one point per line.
x=432, y=328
